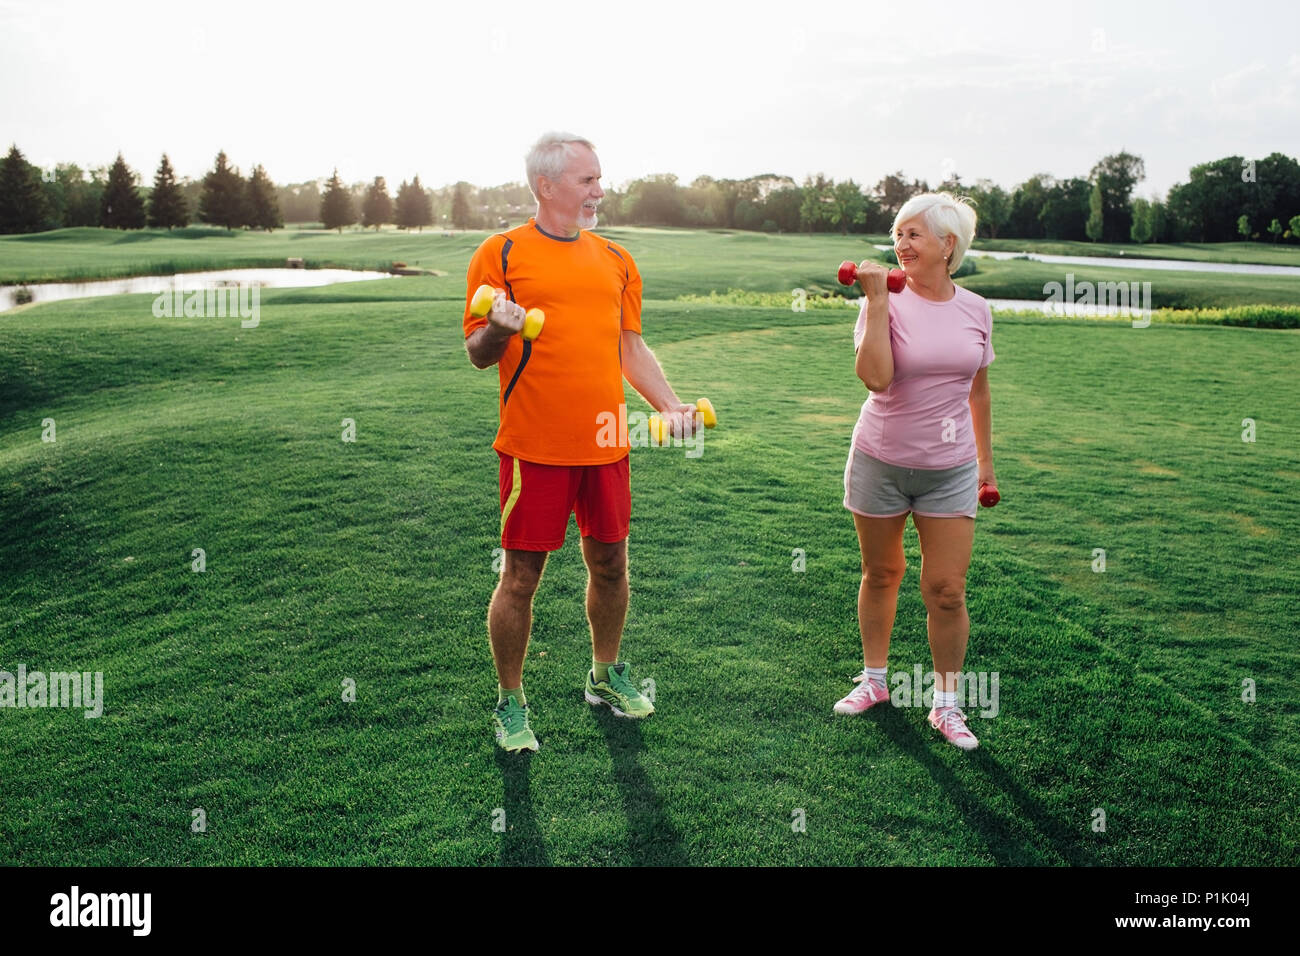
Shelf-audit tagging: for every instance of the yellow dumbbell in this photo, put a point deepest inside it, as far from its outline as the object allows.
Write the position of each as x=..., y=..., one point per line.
x=658, y=430
x=481, y=304
x=704, y=408
x=659, y=433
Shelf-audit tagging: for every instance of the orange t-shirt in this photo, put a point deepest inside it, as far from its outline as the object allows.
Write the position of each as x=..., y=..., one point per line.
x=556, y=390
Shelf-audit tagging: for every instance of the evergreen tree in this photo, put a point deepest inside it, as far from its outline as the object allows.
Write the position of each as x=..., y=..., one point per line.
x=23, y=205
x=121, y=206
x=261, y=207
x=377, y=208
x=403, y=207
x=460, y=214
x=167, y=206
x=1094, y=227
x=336, y=205
x=222, y=201
x=1140, y=231
x=423, y=206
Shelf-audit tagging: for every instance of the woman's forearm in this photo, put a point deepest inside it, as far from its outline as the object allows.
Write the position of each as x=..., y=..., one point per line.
x=875, y=363
x=981, y=413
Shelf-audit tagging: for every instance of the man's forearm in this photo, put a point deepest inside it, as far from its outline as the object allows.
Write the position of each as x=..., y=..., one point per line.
x=486, y=345
x=643, y=373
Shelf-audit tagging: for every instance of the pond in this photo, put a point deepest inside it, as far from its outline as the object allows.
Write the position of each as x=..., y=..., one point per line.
x=190, y=281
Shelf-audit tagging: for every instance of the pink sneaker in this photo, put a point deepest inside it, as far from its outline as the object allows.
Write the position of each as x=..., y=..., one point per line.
x=866, y=695
x=951, y=722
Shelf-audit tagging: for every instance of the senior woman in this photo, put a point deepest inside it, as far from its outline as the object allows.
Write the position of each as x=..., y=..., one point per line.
x=922, y=446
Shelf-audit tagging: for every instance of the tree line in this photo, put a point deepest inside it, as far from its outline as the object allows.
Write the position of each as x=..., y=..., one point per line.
x=1223, y=200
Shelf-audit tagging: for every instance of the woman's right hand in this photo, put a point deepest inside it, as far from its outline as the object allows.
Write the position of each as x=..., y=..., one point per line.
x=871, y=277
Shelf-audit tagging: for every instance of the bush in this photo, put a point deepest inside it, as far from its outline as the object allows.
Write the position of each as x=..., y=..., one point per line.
x=1245, y=316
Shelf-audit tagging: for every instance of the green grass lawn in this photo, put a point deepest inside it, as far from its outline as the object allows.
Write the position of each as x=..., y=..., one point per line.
x=674, y=262
x=372, y=562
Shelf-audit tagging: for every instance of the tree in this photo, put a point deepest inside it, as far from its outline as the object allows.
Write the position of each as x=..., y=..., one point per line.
x=378, y=206
x=1158, y=216
x=1275, y=227
x=336, y=205
x=1295, y=227
x=815, y=210
x=1140, y=231
x=1027, y=203
x=1096, y=217
x=261, y=208
x=121, y=206
x=299, y=202
x=781, y=209
x=848, y=206
x=23, y=204
x=166, y=204
x=404, y=207
x=1243, y=227
x=894, y=190
x=460, y=212
x=992, y=206
x=1115, y=176
x=423, y=205
x=1065, y=213
x=656, y=200
x=413, y=209
x=222, y=200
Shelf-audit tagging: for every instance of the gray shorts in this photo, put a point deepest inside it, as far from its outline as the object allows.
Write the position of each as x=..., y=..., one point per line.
x=879, y=490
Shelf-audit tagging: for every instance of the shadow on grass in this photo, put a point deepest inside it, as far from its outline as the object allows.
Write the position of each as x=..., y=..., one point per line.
x=521, y=843
x=1007, y=846
x=652, y=839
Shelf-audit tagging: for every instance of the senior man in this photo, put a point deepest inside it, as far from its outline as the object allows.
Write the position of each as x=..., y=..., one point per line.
x=554, y=392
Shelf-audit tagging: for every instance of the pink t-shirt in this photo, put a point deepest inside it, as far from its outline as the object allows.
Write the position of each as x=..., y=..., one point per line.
x=923, y=420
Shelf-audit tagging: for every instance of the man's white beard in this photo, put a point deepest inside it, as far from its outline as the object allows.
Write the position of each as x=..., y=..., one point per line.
x=587, y=222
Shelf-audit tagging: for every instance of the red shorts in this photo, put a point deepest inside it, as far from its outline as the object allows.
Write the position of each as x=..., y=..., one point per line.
x=536, y=501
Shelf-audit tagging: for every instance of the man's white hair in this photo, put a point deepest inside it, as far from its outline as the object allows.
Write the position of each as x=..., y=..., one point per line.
x=550, y=155
x=945, y=215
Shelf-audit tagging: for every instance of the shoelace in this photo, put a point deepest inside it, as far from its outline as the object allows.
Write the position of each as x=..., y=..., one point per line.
x=620, y=683
x=513, y=718
x=867, y=690
x=952, y=720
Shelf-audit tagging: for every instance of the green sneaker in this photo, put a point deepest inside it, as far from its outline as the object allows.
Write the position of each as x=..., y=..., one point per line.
x=512, y=730
x=619, y=693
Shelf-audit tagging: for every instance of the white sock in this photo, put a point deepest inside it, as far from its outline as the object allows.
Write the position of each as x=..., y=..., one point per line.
x=945, y=698
x=877, y=674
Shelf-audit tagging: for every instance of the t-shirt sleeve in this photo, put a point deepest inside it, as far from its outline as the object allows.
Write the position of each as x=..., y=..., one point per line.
x=988, y=337
x=484, y=267
x=630, y=315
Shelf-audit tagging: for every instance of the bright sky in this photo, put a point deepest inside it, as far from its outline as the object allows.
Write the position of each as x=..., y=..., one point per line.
x=459, y=91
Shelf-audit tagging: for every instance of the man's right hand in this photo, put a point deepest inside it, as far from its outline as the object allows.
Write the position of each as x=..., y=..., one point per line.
x=506, y=317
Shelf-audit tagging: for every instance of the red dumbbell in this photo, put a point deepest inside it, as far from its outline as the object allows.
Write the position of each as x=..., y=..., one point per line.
x=989, y=494
x=896, y=279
